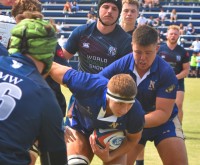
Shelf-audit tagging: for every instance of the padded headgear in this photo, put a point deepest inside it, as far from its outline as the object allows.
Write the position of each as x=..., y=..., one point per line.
x=35, y=37
x=118, y=3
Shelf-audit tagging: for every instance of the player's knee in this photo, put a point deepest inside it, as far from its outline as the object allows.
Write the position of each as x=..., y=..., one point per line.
x=78, y=160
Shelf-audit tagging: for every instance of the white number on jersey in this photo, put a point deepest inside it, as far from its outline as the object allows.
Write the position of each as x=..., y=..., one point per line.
x=8, y=94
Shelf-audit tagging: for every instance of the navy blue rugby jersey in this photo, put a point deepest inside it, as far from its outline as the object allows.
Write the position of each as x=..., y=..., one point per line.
x=157, y=84
x=176, y=57
x=28, y=112
x=90, y=104
x=95, y=50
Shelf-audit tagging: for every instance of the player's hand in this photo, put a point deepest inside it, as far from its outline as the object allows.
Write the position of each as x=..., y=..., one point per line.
x=69, y=137
x=103, y=154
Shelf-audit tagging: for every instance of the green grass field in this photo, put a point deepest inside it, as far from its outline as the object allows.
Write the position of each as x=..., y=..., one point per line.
x=191, y=123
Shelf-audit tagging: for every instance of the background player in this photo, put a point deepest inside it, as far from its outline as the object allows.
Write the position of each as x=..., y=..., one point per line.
x=157, y=86
x=100, y=103
x=179, y=59
x=28, y=108
x=129, y=14
x=100, y=43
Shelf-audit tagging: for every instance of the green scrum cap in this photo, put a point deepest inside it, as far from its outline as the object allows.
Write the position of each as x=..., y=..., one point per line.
x=35, y=37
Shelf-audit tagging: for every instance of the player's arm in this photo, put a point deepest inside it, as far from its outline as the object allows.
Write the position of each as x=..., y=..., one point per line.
x=58, y=71
x=67, y=55
x=71, y=46
x=185, y=71
x=162, y=113
x=106, y=156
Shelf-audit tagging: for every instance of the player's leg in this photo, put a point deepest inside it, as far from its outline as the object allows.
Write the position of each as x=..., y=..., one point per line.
x=179, y=103
x=34, y=153
x=118, y=161
x=140, y=158
x=79, y=151
x=132, y=155
x=171, y=148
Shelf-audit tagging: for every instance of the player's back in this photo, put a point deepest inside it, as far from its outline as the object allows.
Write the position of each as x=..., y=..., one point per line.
x=25, y=99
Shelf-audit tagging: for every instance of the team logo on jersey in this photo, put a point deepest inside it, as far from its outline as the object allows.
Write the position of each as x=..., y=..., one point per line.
x=152, y=85
x=112, y=51
x=114, y=125
x=86, y=45
x=178, y=58
x=16, y=64
x=170, y=88
x=163, y=56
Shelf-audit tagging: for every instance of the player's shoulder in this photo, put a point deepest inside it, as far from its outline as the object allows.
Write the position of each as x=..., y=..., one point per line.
x=86, y=27
x=181, y=49
x=163, y=46
x=121, y=32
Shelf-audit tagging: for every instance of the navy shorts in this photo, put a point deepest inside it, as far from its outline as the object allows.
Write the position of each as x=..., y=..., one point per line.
x=172, y=128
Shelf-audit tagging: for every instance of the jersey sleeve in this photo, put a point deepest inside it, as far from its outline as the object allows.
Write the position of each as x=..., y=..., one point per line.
x=135, y=118
x=186, y=56
x=168, y=83
x=119, y=66
x=72, y=43
x=84, y=84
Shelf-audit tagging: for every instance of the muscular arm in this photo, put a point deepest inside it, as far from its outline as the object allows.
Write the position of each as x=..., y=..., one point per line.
x=129, y=142
x=184, y=73
x=58, y=71
x=162, y=113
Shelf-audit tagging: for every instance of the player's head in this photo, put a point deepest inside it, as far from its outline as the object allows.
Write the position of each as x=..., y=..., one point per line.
x=35, y=37
x=121, y=92
x=114, y=7
x=21, y=6
x=7, y=2
x=130, y=11
x=144, y=46
x=173, y=33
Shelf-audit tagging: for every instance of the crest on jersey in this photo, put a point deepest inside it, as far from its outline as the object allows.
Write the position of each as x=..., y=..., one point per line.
x=16, y=64
x=170, y=88
x=114, y=125
x=178, y=58
x=152, y=85
x=112, y=51
x=86, y=45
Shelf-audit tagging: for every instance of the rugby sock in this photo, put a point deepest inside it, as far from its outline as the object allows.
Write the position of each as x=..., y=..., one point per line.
x=139, y=162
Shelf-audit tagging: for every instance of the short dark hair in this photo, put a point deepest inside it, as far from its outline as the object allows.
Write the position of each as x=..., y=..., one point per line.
x=145, y=35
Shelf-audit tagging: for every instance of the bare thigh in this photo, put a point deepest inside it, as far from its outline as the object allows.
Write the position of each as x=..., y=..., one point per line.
x=173, y=151
x=132, y=155
x=179, y=99
x=118, y=161
x=80, y=146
